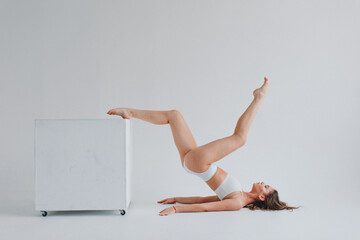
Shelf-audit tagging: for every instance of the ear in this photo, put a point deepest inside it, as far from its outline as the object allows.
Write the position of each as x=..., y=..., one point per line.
x=262, y=197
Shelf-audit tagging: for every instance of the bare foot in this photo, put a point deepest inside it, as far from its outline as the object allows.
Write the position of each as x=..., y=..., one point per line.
x=261, y=92
x=123, y=112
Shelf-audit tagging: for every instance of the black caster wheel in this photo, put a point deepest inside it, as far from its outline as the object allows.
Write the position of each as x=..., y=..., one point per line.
x=44, y=213
x=122, y=212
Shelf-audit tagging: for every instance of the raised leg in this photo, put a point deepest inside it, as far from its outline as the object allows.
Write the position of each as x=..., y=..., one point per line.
x=198, y=159
x=182, y=135
x=244, y=123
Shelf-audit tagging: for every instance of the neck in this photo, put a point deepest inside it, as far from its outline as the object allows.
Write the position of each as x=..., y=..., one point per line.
x=249, y=197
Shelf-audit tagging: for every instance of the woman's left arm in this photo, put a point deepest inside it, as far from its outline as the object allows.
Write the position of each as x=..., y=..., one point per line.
x=224, y=205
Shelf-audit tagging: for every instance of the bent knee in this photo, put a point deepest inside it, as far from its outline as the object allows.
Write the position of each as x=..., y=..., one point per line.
x=240, y=140
x=173, y=114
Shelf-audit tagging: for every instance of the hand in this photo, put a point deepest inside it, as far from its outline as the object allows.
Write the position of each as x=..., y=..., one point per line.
x=167, y=201
x=167, y=211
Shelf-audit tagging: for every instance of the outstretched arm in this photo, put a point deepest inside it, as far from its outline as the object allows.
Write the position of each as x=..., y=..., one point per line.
x=190, y=200
x=224, y=205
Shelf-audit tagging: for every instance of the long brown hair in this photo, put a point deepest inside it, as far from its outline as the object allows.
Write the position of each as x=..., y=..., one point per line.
x=271, y=203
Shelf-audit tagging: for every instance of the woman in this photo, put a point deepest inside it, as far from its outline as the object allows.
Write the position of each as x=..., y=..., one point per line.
x=199, y=161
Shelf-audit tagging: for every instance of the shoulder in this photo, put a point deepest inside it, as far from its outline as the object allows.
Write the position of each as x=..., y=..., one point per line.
x=233, y=203
x=234, y=195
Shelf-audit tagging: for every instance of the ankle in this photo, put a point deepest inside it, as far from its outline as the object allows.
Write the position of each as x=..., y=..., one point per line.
x=131, y=112
x=259, y=98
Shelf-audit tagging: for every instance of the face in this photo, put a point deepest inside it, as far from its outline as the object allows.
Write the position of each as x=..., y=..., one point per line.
x=262, y=189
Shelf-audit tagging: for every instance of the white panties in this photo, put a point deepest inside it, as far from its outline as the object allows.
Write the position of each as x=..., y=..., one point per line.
x=204, y=175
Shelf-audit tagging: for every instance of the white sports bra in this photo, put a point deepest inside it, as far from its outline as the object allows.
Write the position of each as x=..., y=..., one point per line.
x=229, y=185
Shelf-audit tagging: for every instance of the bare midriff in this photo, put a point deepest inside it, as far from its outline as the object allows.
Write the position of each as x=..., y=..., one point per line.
x=216, y=181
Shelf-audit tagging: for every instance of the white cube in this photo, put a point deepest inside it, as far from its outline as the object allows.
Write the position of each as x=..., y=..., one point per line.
x=82, y=164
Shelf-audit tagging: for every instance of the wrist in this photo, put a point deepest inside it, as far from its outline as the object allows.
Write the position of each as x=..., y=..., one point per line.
x=174, y=199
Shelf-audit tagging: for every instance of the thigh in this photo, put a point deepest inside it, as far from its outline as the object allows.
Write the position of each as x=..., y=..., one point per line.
x=209, y=153
x=182, y=135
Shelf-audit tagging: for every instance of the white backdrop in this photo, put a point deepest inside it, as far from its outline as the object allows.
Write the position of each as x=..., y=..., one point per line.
x=78, y=59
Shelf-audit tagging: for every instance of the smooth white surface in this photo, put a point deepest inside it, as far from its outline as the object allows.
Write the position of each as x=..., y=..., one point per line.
x=78, y=59
x=128, y=162
x=81, y=164
x=143, y=222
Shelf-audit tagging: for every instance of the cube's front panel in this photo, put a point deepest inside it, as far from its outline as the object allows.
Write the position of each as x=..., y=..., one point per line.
x=80, y=164
x=128, y=162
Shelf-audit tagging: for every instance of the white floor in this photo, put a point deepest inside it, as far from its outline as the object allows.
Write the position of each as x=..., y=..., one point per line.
x=18, y=220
